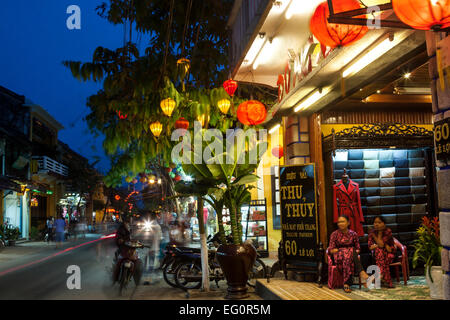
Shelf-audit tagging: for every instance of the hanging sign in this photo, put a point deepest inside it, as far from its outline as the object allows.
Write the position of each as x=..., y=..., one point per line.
x=299, y=221
x=442, y=140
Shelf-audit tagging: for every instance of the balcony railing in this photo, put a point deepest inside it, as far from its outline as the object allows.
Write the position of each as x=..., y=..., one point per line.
x=48, y=165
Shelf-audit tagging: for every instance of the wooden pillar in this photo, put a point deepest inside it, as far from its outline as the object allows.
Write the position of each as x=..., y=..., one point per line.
x=315, y=135
x=441, y=110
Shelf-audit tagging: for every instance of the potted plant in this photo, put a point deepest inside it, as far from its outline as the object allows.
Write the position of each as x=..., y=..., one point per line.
x=12, y=234
x=428, y=251
x=230, y=173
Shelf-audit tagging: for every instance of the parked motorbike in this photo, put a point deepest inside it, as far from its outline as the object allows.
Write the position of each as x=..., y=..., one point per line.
x=188, y=272
x=130, y=266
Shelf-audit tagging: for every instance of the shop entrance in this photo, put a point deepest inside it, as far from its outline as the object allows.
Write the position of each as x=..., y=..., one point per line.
x=394, y=168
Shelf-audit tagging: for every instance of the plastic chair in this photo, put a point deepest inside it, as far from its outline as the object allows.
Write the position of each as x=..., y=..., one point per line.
x=401, y=261
x=335, y=278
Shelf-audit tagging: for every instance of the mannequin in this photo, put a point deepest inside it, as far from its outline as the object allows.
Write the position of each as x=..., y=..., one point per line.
x=347, y=201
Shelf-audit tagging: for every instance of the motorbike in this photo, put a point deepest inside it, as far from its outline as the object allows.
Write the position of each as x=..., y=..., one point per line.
x=187, y=272
x=130, y=265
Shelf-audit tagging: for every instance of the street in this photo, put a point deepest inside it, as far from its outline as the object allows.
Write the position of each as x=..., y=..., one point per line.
x=44, y=277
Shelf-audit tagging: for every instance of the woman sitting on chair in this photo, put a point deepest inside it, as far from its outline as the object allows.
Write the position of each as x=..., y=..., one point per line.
x=382, y=245
x=344, y=247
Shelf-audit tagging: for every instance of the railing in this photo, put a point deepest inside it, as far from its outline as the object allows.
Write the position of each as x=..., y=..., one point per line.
x=47, y=165
x=243, y=27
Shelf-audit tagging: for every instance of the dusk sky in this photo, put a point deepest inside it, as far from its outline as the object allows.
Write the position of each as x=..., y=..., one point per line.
x=34, y=41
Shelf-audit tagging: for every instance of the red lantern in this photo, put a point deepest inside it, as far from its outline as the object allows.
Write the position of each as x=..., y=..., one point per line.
x=423, y=14
x=117, y=197
x=278, y=152
x=335, y=35
x=230, y=87
x=177, y=178
x=251, y=113
x=182, y=123
x=121, y=116
x=168, y=170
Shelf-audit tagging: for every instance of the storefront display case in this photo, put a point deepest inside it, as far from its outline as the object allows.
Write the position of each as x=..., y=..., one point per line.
x=254, y=225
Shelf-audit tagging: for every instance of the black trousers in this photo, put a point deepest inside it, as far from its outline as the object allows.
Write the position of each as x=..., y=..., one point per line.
x=358, y=268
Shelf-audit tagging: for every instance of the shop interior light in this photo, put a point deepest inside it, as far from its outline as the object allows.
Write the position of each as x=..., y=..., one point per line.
x=312, y=98
x=274, y=128
x=159, y=181
x=369, y=57
x=407, y=75
x=412, y=90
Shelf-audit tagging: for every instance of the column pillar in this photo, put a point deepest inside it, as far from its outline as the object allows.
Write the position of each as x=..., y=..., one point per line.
x=297, y=140
x=441, y=110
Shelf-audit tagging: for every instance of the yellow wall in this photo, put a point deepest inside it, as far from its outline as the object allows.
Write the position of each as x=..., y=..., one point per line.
x=269, y=161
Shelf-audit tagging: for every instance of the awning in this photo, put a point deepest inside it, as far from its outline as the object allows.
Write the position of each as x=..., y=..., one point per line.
x=7, y=184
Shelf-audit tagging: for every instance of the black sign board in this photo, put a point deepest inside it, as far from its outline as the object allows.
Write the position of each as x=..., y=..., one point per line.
x=442, y=140
x=299, y=226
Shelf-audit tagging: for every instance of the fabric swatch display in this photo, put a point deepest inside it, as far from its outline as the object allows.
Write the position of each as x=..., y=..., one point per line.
x=387, y=172
x=392, y=183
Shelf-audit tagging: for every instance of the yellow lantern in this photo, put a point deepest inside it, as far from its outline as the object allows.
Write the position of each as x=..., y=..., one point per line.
x=224, y=105
x=203, y=119
x=156, y=128
x=167, y=106
x=185, y=64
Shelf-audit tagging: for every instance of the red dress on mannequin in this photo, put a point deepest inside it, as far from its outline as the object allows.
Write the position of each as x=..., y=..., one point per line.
x=348, y=202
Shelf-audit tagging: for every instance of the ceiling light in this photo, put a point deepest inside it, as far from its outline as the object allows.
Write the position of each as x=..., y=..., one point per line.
x=313, y=98
x=274, y=128
x=290, y=10
x=378, y=91
x=369, y=57
x=412, y=90
x=254, y=50
x=407, y=75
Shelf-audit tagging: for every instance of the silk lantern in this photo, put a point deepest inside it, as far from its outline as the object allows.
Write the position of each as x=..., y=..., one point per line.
x=224, y=105
x=230, y=87
x=278, y=152
x=121, y=116
x=251, y=113
x=203, y=119
x=156, y=128
x=177, y=178
x=182, y=123
x=335, y=35
x=423, y=14
x=167, y=106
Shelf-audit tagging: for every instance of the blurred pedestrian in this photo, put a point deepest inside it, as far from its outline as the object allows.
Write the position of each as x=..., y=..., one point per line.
x=60, y=226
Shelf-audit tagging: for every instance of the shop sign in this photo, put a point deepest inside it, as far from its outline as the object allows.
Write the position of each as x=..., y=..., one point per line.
x=442, y=140
x=299, y=221
x=300, y=66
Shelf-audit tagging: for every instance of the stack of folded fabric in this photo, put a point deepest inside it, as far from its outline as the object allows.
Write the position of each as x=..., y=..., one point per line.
x=392, y=183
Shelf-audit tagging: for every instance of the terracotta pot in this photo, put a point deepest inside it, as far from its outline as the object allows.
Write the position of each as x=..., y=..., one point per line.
x=236, y=262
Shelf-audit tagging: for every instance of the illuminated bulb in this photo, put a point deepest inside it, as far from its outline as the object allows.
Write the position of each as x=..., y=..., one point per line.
x=407, y=75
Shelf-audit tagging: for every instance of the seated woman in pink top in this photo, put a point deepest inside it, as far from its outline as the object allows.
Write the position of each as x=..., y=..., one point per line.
x=344, y=245
x=381, y=242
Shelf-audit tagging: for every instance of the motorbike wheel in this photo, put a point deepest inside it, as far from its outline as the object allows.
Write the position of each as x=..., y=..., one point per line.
x=124, y=281
x=258, y=271
x=188, y=269
x=169, y=275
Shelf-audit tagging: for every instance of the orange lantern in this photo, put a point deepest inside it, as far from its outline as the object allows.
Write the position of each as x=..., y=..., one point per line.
x=117, y=197
x=230, y=87
x=185, y=64
x=423, y=14
x=177, y=178
x=156, y=128
x=167, y=106
x=251, y=113
x=182, y=123
x=224, y=105
x=331, y=34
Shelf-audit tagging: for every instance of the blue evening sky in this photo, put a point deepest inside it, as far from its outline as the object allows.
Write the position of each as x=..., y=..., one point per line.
x=34, y=40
